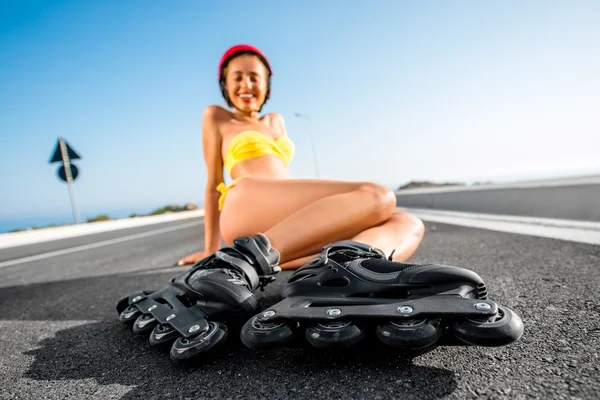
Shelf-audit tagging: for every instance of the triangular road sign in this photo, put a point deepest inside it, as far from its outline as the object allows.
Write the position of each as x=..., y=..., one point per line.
x=57, y=156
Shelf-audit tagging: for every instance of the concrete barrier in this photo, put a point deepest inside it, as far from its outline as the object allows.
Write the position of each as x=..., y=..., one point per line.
x=575, y=198
x=22, y=238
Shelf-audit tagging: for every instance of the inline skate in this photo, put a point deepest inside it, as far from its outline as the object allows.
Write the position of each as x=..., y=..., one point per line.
x=352, y=292
x=192, y=309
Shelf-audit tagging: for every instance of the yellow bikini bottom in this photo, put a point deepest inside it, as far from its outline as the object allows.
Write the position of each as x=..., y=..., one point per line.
x=224, y=189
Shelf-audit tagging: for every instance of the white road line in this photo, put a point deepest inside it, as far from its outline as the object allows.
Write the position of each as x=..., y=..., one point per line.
x=574, y=231
x=97, y=244
x=556, y=222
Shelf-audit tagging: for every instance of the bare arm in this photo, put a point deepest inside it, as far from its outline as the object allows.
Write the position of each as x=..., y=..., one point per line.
x=278, y=123
x=211, y=143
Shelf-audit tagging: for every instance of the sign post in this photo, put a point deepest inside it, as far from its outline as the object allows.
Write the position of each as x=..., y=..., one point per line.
x=67, y=172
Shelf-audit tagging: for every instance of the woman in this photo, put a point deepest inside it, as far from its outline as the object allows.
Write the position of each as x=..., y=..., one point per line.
x=298, y=216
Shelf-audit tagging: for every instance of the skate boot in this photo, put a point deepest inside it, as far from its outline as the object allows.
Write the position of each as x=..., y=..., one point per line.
x=352, y=291
x=191, y=312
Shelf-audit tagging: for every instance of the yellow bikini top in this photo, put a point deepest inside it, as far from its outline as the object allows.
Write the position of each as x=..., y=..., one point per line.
x=252, y=144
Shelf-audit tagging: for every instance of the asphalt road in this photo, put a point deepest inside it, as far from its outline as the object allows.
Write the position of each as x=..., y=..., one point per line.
x=60, y=337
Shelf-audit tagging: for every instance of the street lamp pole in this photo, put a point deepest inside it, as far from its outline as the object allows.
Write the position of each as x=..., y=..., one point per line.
x=312, y=140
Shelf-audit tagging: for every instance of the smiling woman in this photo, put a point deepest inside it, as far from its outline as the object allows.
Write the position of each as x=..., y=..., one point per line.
x=297, y=216
x=235, y=65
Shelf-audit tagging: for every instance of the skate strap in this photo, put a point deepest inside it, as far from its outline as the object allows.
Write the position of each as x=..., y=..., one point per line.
x=259, y=256
x=372, y=276
x=360, y=248
x=349, y=243
x=242, y=266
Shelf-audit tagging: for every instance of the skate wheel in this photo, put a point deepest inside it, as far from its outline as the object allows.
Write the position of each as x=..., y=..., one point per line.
x=144, y=323
x=502, y=329
x=162, y=333
x=415, y=334
x=129, y=314
x=334, y=334
x=210, y=339
x=257, y=335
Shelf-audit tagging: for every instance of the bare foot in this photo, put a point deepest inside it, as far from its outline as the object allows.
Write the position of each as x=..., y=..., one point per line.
x=192, y=258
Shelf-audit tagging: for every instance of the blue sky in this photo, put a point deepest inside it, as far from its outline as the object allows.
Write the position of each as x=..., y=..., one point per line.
x=396, y=91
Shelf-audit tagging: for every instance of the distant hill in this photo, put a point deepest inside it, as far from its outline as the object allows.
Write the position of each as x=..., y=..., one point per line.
x=169, y=209
x=429, y=184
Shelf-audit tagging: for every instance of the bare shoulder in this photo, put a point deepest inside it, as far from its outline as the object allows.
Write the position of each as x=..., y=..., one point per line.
x=213, y=119
x=277, y=121
x=215, y=113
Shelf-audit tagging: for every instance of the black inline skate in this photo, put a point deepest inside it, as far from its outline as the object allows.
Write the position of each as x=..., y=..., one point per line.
x=351, y=290
x=191, y=310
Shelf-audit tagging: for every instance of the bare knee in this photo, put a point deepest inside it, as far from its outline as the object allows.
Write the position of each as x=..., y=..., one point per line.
x=419, y=227
x=381, y=199
x=411, y=222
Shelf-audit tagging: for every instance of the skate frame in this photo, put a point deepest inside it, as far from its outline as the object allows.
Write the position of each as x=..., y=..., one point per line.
x=330, y=308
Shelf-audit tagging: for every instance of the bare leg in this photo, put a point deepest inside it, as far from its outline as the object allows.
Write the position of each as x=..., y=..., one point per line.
x=401, y=233
x=298, y=262
x=301, y=216
x=327, y=220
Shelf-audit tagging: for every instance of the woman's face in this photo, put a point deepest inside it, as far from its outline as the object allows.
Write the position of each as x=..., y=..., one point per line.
x=246, y=82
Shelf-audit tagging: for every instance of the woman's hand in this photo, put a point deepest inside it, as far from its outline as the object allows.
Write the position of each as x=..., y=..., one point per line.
x=192, y=258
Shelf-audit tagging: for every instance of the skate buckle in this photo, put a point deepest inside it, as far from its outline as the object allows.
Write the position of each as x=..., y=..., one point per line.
x=264, y=281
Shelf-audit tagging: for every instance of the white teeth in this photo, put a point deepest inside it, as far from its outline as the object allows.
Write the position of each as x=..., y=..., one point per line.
x=246, y=96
